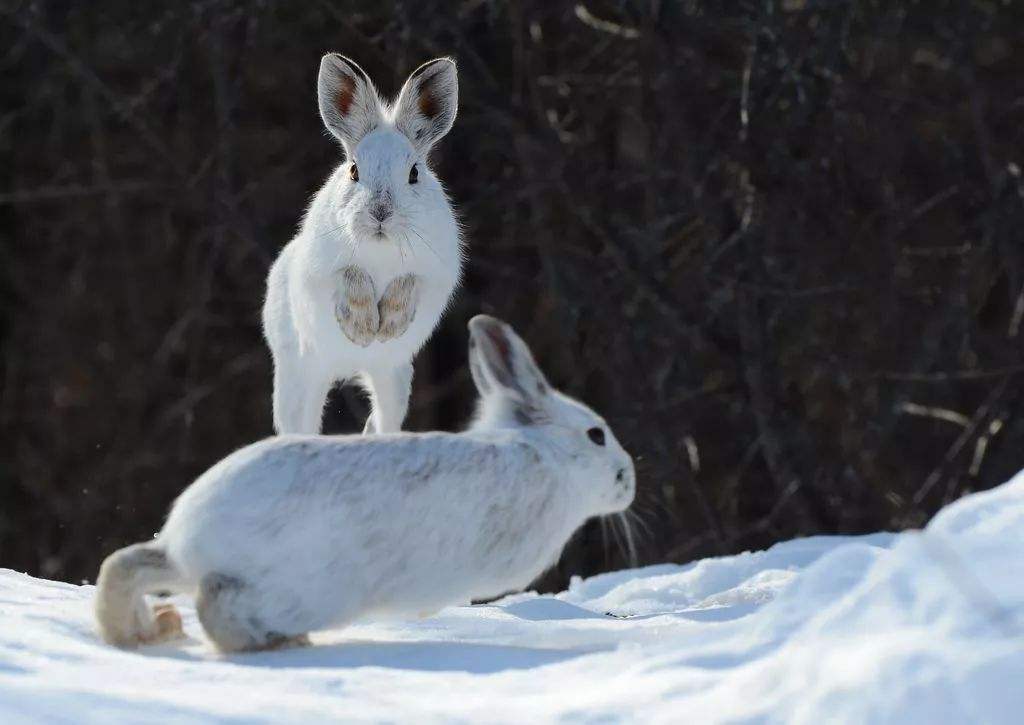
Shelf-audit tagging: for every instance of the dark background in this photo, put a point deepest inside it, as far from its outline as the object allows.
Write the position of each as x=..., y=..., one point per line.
x=777, y=244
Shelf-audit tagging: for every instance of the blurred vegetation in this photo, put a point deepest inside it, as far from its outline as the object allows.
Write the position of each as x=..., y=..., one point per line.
x=777, y=244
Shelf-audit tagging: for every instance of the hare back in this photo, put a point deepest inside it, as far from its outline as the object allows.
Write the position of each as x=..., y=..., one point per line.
x=352, y=526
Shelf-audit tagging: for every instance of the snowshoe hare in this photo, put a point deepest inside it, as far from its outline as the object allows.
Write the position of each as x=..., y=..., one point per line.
x=361, y=287
x=298, y=533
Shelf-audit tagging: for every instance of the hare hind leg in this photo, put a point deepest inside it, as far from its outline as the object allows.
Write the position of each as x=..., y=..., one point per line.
x=389, y=398
x=228, y=610
x=299, y=396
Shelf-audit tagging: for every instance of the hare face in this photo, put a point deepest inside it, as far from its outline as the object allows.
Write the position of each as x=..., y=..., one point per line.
x=515, y=394
x=386, y=188
x=602, y=466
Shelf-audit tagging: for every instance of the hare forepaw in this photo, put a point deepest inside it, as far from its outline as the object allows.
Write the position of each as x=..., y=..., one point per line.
x=356, y=310
x=398, y=306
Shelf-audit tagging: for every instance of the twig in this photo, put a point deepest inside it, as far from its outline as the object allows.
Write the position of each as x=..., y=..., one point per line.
x=759, y=526
x=927, y=411
x=56, y=46
x=763, y=403
x=693, y=453
x=981, y=447
x=942, y=377
x=783, y=291
x=605, y=26
x=51, y=193
x=745, y=92
x=1018, y=315
x=930, y=203
x=980, y=416
x=653, y=291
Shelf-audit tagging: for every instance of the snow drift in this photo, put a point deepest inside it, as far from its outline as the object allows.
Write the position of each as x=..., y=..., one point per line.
x=918, y=627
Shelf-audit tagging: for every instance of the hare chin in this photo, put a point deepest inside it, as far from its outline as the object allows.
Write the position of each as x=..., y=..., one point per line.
x=383, y=237
x=372, y=234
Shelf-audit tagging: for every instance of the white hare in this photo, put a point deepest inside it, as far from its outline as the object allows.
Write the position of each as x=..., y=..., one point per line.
x=362, y=285
x=300, y=533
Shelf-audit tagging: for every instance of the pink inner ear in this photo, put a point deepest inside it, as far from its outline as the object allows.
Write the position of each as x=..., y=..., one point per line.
x=428, y=104
x=502, y=345
x=345, y=95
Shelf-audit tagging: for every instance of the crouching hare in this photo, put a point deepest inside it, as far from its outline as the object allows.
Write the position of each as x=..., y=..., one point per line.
x=299, y=533
x=362, y=285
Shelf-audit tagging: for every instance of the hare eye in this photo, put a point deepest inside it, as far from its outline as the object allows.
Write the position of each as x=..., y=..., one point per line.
x=414, y=174
x=596, y=435
x=353, y=173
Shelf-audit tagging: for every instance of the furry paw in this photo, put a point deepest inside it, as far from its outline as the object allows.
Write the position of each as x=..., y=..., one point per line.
x=398, y=307
x=280, y=641
x=168, y=624
x=355, y=309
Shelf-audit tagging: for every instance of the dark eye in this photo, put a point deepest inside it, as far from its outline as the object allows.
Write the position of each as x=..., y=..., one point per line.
x=353, y=173
x=596, y=435
x=414, y=174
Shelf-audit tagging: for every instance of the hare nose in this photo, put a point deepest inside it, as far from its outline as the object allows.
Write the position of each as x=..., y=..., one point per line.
x=380, y=213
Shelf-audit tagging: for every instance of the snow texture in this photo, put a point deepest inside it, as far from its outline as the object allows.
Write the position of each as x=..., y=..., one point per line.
x=920, y=627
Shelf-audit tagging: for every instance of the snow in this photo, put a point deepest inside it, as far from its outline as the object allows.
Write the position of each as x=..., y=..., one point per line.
x=919, y=627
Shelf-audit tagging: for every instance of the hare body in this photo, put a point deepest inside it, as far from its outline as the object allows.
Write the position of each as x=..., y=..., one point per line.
x=363, y=284
x=358, y=556
x=298, y=533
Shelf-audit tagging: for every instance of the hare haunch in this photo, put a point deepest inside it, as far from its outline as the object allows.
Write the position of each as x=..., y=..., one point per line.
x=362, y=285
x=299, y=533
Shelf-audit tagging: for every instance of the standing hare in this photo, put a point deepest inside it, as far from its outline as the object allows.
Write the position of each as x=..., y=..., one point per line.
x=300, y=533
x=362, y=285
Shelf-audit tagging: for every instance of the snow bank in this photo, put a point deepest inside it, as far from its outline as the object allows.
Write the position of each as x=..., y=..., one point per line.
x=918, y=627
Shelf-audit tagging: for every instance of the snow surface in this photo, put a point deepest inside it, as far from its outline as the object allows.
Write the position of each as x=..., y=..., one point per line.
x=918, y=627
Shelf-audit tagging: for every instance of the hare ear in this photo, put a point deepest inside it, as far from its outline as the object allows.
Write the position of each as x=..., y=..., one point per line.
x=500, y=362
x=476, y=369
x=349, y=104
x=427, y=105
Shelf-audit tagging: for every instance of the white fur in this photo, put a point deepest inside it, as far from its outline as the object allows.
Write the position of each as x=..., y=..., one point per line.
x=322, y=531
x=421, y=237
